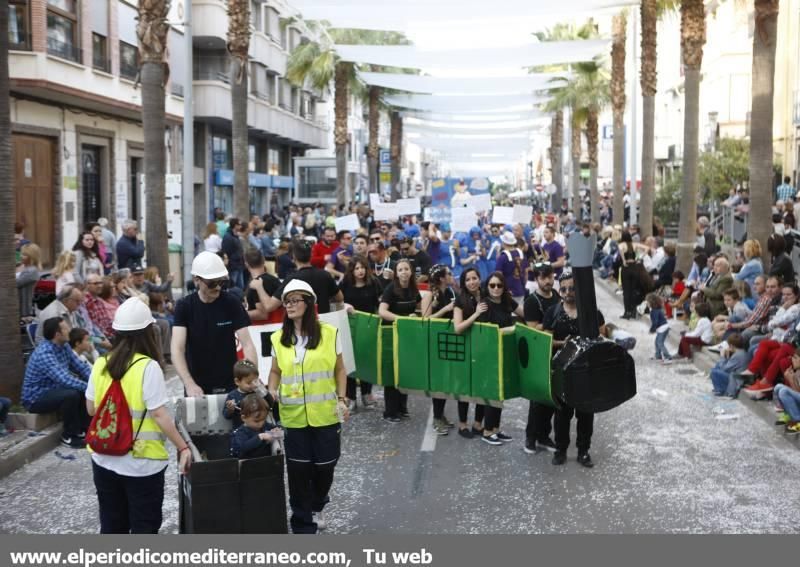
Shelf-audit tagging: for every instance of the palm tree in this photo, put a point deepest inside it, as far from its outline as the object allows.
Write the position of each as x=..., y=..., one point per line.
x=396, y=151
x=650, y=11
x=693, y=37
x=578, y=119
x=617, y=92
x=374, y=131
x=152, y=33
x=557, y=155
x=318, y=63
x=238, y=47
x=11, y=353
x=761, y=155
x=594, y=85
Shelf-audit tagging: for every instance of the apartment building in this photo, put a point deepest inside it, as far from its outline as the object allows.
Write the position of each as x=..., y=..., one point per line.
x=78, y=143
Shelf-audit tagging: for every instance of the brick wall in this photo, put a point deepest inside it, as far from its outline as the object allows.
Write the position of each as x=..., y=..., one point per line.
x=39, y=25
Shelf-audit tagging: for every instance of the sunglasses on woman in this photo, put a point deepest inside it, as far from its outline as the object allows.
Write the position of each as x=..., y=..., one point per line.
x=496, y=286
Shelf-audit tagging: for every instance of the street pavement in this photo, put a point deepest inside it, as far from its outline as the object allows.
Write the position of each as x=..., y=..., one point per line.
x=672, y=460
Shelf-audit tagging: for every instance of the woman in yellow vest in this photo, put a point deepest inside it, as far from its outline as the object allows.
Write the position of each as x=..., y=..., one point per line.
x=309, y=381
x=130, y=488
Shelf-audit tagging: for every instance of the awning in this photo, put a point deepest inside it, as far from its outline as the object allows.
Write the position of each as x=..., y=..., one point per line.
x=533, y=54
x=463, y=85
x=466, y=104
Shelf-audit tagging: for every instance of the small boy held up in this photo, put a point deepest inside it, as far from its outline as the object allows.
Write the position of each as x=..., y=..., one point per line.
x=245, y=376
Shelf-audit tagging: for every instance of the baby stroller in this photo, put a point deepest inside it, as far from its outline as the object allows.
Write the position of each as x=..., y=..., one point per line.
x=221, y=494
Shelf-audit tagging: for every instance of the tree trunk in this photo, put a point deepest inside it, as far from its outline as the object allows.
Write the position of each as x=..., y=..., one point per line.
x=618, y=111
x=649, y=83
x=761, y=151
x=373, y=150
x=592, y=135
x=575, y=149
x=152, y=78
x=557, y=157
x=239, y=140
x=11, y=352
x=396, y=148
x=693, y=37
x=341, y=78
x=648, y=167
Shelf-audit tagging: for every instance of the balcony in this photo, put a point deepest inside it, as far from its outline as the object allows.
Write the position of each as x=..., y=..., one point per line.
x=212, y=100
x=63, y=50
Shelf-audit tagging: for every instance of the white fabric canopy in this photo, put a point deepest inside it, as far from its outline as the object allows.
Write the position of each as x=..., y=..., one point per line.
x=410, y=57
x=467, y=104
x=484, y=146
x=413, y=129
x=462, y=85
x=471, y=119
x=385, y=15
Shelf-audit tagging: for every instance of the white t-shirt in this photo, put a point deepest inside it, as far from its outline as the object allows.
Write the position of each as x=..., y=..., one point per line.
x=155, y=396
x=213, y=243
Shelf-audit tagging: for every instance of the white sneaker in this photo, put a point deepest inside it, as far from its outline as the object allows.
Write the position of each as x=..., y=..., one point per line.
x=319, y=519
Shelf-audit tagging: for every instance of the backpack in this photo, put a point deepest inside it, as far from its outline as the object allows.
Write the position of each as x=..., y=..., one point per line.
x=111, y=430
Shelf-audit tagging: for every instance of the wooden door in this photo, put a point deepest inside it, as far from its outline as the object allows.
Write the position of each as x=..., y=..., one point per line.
x=33, y=178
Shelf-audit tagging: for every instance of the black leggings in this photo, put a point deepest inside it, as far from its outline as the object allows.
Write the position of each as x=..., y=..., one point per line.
x=395, y=403
x=438, y=408
x=463, y=410
x=631, y=288
x=366, y=388
x=492, y=420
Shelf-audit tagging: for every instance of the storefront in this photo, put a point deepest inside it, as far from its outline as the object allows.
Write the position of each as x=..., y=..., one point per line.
x=265, y=191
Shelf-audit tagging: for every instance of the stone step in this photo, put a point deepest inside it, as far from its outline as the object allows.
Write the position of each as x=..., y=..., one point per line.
x=31, y=421
x=23, y=447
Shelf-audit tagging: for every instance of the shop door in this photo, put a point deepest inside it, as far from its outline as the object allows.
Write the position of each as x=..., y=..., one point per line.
x=92, y=187
x=33, y=178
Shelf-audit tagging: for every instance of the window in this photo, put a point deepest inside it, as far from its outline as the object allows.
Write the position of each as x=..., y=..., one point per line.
x=251, y=158
x=18, y=34
x=271, y=86
x=273, y=162
x=255, y=15
x=100, y=53
x=316, y=182
x=128, y=60
x=221, y=148
x=62, y=29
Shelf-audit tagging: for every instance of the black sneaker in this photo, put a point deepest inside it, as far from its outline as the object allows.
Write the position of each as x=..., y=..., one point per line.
x=466, y=433
x=476, y=431
x=546, y=444
x=391, y=418
x=73, y=442
x=503, y=437
x=491, y=439
x=585, y=460
x=530, y=446
x=559, y=458
x=405, y=415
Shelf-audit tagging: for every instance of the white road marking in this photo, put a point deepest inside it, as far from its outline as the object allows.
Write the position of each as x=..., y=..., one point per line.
x=429, y=439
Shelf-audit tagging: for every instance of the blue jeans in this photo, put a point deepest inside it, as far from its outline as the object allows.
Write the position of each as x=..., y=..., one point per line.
x=720, y=380
x=70, y=403
x=790, y=400
x=237, y=278
x=661, y=348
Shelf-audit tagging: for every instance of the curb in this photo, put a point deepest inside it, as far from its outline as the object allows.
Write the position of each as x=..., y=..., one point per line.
x=23, y=447
x=704, y=361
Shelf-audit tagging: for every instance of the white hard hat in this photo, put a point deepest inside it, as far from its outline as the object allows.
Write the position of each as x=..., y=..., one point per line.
x=209, y=266
x=298, y=285
x=132, y=315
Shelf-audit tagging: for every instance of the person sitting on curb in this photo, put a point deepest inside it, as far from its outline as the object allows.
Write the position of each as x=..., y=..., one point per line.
x=56, y=379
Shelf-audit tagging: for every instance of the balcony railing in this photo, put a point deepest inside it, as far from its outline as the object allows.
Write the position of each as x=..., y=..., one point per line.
x=176, y=89
x=64, y=50
x=261, y=95
x=128, y=71
x=211, y=75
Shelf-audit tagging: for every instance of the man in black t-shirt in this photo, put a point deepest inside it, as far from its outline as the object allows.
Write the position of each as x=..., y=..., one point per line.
x=540, y=416
x=562, y=321
x=207, y=324
x=320, y=281
x=420, y=261
x=262, y=285
x=380, y=263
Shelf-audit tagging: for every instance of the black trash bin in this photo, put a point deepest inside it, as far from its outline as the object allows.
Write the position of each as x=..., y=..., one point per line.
x=220, y=494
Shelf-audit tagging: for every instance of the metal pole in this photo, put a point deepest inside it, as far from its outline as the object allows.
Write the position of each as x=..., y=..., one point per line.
x=187, y=199
x=634, y=118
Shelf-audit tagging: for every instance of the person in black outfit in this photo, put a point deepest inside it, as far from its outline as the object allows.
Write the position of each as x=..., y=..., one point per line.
x=562, y=321
x=381, y=264
x=262, y=285
x=540, y=416
x=781, y=264
x=466, y=310
x=362, y=292
x=233, y=249
x=320, y=281
x=400, y=299
x=500, y=312
x=439, y=304
x=630, y=276
x=420, y=261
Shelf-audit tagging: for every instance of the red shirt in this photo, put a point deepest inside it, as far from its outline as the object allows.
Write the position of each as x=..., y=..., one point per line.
x=319, y=251
x=678, y=288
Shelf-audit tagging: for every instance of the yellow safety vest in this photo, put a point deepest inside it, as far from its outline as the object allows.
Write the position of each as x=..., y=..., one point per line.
x=307, y=394
x=149, y=442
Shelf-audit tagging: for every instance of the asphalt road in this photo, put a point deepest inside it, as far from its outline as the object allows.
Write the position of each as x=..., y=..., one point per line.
x=672, y=460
